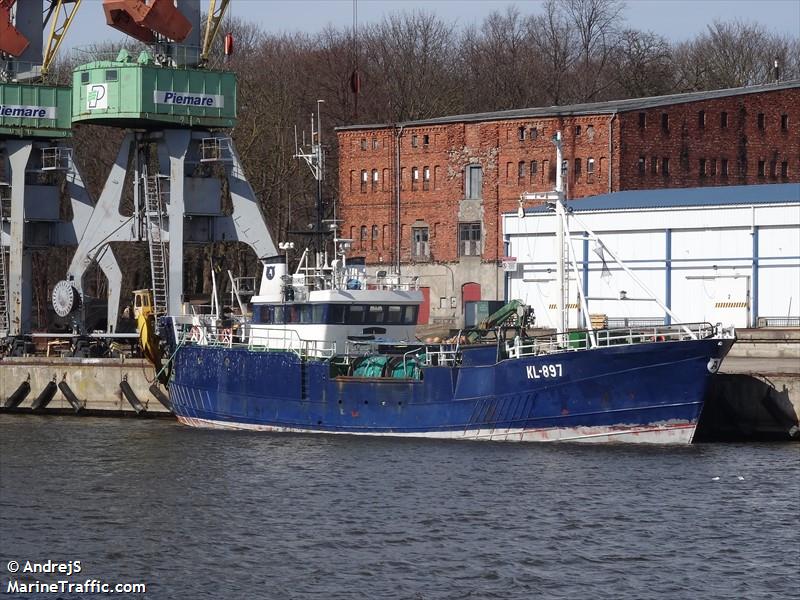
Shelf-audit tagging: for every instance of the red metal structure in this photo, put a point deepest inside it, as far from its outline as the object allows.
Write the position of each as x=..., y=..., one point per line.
x=143, y=20
x=11, y=41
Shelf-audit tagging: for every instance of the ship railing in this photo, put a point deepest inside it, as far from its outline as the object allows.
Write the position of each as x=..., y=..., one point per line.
x=384, y=281
x=582, y=339
x=443, y=356
x=267, y=339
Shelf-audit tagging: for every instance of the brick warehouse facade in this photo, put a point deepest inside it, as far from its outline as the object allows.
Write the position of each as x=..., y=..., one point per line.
x=453, y=177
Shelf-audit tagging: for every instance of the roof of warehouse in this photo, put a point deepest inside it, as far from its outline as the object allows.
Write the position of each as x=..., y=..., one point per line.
x=773, y=193
x=593, y=108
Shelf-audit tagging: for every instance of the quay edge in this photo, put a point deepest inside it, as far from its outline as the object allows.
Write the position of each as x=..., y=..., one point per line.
x=95, y=382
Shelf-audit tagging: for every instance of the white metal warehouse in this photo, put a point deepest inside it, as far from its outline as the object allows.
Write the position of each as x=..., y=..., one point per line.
x=727, y=255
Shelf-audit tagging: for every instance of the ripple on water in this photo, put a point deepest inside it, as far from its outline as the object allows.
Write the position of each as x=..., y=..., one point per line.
x=208, y=514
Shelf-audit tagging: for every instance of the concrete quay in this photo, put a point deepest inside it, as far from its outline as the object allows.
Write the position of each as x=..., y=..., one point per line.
x=98, y=385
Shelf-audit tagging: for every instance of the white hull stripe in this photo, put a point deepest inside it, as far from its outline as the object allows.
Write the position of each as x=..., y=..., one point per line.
x=677, y=433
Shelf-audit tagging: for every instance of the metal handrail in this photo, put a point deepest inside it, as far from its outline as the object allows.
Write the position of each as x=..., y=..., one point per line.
x=580, y=340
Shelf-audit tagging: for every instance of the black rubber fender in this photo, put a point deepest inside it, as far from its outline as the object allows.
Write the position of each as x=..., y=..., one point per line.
x=130, y=396
x=70, y=396
x=15, y=399
x=43, y=399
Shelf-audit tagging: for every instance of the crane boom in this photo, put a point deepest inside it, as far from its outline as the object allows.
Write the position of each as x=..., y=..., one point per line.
x=215, y=16
x=61, y=16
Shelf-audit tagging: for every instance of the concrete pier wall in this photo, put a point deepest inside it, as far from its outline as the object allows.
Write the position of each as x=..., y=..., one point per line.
x=95, y=381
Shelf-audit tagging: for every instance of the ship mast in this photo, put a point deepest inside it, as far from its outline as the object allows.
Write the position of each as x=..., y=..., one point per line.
x=561, y=252
x=315, y=159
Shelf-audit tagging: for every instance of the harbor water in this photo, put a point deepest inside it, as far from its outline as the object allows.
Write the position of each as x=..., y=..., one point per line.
x=213, y=514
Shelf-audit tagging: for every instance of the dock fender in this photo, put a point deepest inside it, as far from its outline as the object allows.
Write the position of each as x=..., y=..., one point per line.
x=15, y=399
x=70, y=395
x=130, y=395
x=44, y=398
x=160, y=396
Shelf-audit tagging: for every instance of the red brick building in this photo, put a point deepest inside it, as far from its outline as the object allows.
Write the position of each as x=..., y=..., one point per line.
x=430, y=193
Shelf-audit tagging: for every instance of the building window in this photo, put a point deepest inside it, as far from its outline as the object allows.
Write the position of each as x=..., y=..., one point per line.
x=653, y=165
x=363, y=237
x=111, y=75
x=665, y=122
x=773, y=168
x=419, y=242
x=724, y=167
x=702, y=167
x=521, y=170
x=713, y=167
x=469, y=239
x=375, y=144
x=785, y=169
x=363, y=143
x=364, y=177
x=426, y=178
x=665, y=166
x=785, y=122
x=761, y=168
x=374, y=180
x=533, y=134
x=375, y=231
x=761, y=124
x=590, y=132
x=641, y=165
x=723, y=120
x=426, y=139
x=642, y=120
x=577, y=168
x=701, y=119
x=473, y=182
x=414, y=177
x=577, y=130
x=534, y=170
x=85, y=77
x=414, y=141
x=521, y=134
x=590, y=166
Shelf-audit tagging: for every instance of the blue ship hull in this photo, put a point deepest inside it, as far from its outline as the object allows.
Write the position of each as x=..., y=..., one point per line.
x=651, y=392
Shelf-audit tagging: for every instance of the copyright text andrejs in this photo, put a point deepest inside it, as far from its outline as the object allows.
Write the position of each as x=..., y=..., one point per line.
x=64, y=569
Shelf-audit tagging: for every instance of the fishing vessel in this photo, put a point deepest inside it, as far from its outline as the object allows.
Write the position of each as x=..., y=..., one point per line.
x=329, y=349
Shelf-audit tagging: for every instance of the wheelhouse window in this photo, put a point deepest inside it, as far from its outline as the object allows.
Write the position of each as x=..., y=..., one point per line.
x=469, y=239
x=335, y=314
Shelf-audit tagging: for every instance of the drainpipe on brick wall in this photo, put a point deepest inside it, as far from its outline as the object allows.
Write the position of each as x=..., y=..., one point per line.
x=397, y=184
x=611, y=149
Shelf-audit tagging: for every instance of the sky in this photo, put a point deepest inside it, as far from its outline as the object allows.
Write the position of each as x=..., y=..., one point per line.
x=676, y=20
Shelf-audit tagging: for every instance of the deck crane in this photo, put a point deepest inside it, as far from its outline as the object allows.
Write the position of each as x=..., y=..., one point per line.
x=39, y=181
x=189, y=186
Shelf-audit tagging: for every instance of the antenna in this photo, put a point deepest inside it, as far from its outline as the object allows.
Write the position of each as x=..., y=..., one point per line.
x=315, y=159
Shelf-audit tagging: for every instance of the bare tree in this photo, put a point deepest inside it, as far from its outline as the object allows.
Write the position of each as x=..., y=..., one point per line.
x=732, y=54
x=641, y=65
x=409, y=68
